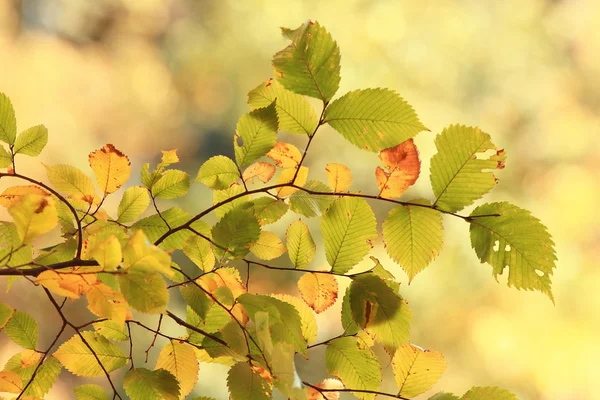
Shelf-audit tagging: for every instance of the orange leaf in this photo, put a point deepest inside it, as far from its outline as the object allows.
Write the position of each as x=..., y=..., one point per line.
x=111, y=167
x=402, y=168
x=261, y=170
x=285, y=155
x=15, y=193
x=71, y=285
x=10, y=382
x=104, y=302
x=314, y=394
x=319, y=291
x=339, y=176
x=29, y=358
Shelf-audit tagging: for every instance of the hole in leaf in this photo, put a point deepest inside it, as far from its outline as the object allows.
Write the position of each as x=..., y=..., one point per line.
x=539, y=273
x=496, y=245
x=485, y=155
x=507, y=247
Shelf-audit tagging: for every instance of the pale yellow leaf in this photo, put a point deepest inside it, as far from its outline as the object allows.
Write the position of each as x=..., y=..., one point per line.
x=339, y=177
x=108, y=253
x=111, y=167
x=416, y=370
x=30, y=357
x=34, y=215
x=285, y=155
x=268, y=246
x=179, y=358
x=105, y=302
x=286, y=176
x=15, y=193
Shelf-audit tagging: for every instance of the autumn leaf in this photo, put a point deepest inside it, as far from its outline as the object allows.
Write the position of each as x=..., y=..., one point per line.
x=71, y=285
x=402, y=168
x=111, y=167
x=285, y=155
x=16, y=193
x=34, y=215
x=339, y=177
x=261, y=170
x=10, y=382
x=286, y=176
x=319, y=291
x=329, y=384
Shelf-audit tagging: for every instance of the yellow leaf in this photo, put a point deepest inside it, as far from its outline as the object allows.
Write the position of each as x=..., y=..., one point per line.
x=319, y=291
x=179, y=358
x=416, y=370
x=228, y=277
x=107, y=303
x=168, y=157
x=285, y=155
x=16, y=193
x=71, y=285
x=339, y=177
x=107, y=253
x=268, y=246
x=29, y=358
x=402, y=168
x=261, y=170
x=34, y=215
x=286, y=176
x=10, y=382
x=140, y=254
x=111, y=167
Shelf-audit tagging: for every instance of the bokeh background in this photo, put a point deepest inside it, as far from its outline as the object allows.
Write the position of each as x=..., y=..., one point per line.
x=148, y=75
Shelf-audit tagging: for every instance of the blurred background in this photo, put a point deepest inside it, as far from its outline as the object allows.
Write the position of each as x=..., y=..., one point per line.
x=151, y=75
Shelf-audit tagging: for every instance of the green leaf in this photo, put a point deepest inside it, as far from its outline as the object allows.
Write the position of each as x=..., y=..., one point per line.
x=112, y=330
x=32, y=141
x=172, y=185
x=144, y=291
x=218, y=172
x=90, y=392
x=357, y=368
x=143, y=384
x=373, y=119
x=269, y=210
x=257, y=132
x=246, y=384
x=200, y=252
x=134, y=202
x=196, y=299
x=236, y=232
x=295, y=113
x=347, y=228
x=307, y=316
x=9, y=243
x=444, y=396
x=5, y=158
x=515, y=239
x=310, y=65
x=300, y=244
x=22, y=329
x=413, y=237
x=416, y=370
x=488, y=393
x=70, y=180
x=75, y=356
x=311, y=205
x=6, y=313
x=458, y=175
x=8, y=122
x=225, y=194
x=348, y=323
x=284, y=319
x=380, y=311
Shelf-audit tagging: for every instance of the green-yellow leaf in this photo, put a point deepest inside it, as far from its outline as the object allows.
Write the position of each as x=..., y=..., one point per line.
x=269, y=210
x=179, y=358
x=143, y=384
x=108, y=253
x=357, y=368
x=307, y=316
x=416, y=370
x=245, y=383
x=224, y=195
x=373, y=119
x=6, y=312
x=488, y=393
x=112, y=330
x=140, y=255
x=32, y=141
x=300, y=244
x=381, y=312
x=90, y=392
x=268, y=246
x=5, y=158
x=295, y=113
x=515, y=239
x=22, y=329
x=34, y=215
x=218, y=172
x=310, y=65
x=236, y=232
x=257, y=132
x=70, y=180
x=134, y=202
x=144, y=291
x=348, y=227
x=79, y=359
x=172, y=185
x=200, y=252
x=413, y=237
x=8, y=122
x=460, y=171
x=311, y=205
x=444, y=396
x=46, y=375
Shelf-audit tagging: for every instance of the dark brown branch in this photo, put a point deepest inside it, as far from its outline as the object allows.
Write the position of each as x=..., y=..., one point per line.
x=321, y=390
x=194, y=328
x=155, y=336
